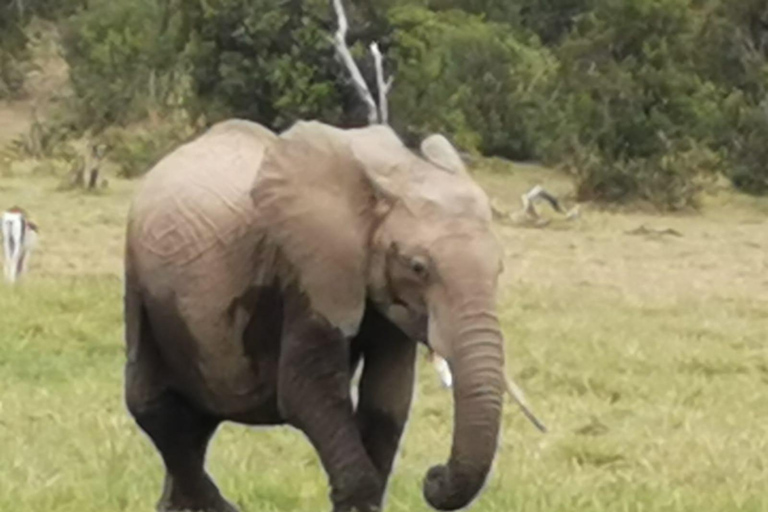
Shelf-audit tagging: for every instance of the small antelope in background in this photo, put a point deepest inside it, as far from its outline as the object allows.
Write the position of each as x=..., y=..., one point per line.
x=19, y=237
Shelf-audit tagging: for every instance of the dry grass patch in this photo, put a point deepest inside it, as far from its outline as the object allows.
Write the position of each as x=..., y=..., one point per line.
x=645, y=357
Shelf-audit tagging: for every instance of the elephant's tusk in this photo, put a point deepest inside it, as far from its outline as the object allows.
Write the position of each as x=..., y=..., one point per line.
x=517, y=396
x=441, y=365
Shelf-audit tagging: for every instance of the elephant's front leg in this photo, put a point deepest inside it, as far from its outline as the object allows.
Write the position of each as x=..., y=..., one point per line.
x=386, y=388
x=314, y=396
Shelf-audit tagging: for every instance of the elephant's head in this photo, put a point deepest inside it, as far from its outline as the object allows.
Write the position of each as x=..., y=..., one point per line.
x=360, y=217
x=434, y=266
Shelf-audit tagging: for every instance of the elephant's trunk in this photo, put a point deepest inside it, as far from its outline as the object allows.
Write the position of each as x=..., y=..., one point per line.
x=477, y=363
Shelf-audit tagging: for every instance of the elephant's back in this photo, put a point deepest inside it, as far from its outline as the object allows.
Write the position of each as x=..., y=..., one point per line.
x=197, y=198
x=221, y=163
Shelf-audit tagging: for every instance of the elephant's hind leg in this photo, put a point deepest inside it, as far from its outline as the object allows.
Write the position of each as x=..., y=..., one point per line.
x=179, y=431
x=181, y=435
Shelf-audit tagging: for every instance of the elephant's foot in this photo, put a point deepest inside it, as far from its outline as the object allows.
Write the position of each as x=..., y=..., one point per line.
x=359, y=492
x=204, y=497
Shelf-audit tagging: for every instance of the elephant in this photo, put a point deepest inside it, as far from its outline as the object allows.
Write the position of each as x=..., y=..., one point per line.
x=262, y=269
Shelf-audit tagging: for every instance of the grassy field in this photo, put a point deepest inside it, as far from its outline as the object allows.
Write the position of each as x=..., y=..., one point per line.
x=645, y=355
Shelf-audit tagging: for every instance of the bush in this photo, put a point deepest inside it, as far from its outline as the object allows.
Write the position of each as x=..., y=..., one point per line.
x=672, y=180
x=11, y=76
x=123, y=61
x=749, y=149
x=266, y=61
x=480, y=82
x=137, y=148
x=642, y=98
x=13, y=43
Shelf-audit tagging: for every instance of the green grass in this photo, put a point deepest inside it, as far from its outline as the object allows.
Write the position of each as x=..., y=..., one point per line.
x=654, y=402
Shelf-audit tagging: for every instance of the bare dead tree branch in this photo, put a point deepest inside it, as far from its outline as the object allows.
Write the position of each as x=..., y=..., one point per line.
x=384, y=86
x=528, y=216
x=536, y=193
x=340, y=41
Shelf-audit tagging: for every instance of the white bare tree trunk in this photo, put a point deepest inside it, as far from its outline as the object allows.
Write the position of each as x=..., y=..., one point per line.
x=383, y=86
x=340, y=41
x=376, y=113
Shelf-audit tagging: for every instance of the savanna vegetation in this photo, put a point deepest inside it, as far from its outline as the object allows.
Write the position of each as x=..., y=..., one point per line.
x=645, y=356
x=643, y=350
x=638, y=99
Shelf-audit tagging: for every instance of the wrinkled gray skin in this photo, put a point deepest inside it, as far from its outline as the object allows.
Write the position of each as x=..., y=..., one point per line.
x=260, y=270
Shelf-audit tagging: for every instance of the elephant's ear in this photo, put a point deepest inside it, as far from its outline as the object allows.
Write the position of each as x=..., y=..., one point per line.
x=440, y=152
x=439, y=178
x=313, y=207
x=384, y=160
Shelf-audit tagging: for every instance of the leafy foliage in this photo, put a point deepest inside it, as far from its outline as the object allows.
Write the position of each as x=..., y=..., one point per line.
x=122, y=58
x=634, y=98
x=263, y=60
x=478, y=81
x=12, y=45
x=640, y=98
x=137, y=148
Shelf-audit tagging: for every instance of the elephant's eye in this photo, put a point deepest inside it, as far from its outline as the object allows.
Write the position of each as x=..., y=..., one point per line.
x=419, y=267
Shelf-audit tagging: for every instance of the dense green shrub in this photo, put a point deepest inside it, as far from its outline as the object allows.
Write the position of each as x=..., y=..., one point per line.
x=11, y=75
x=733, y=51
x=123, y=60
x=641, y=99
x=670, y=180
x=748, y=149
x=272, y=62
x=633, y=98
x=480, y=82
x=136, y=149
x=12, y=45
